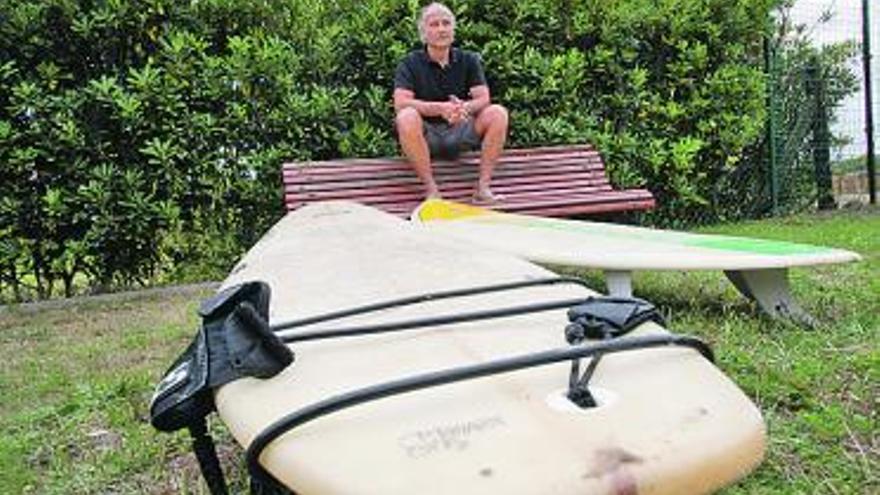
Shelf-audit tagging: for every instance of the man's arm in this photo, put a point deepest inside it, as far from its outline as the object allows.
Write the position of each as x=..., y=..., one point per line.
x=480, y=99
x=453, y=111
x=404, y=98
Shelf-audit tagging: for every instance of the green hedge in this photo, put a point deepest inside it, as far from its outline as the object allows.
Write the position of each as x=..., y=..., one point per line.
x=141, y=140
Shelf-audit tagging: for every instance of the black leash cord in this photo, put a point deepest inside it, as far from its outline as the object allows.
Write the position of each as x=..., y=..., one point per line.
x=423, y=298
x=429, y=321
x=206, y=454
x=436, y=378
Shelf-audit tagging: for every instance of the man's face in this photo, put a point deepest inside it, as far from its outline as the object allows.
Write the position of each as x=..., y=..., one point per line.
x=439, y=30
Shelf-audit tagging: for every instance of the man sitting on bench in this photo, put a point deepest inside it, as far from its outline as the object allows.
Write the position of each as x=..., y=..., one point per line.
x=443, y=105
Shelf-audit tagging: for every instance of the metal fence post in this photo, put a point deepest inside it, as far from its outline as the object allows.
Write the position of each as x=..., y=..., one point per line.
x=869, y=109
x=821, y=135
x=772, y=175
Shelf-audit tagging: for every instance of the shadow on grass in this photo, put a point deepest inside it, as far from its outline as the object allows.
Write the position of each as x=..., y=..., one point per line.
x=707, y=294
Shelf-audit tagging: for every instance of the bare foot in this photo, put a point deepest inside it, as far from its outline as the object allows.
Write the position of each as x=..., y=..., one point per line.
x=486, y=196
x=433, y=194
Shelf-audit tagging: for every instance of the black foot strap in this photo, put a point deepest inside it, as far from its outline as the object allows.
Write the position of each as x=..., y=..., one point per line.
x=602, y=318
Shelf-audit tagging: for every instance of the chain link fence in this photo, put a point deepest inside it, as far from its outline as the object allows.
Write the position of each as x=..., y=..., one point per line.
x=817, y=141
x=814, y=154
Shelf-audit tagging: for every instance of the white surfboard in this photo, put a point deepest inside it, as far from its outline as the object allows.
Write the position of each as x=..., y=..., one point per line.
x=757, y=267
x=668, y=421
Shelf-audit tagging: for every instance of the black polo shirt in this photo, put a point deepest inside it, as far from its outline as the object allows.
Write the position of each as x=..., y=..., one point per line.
x=431, y=82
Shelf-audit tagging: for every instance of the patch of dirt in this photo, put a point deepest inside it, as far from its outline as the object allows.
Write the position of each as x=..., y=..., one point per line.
x=184, y=475
x=103, y=440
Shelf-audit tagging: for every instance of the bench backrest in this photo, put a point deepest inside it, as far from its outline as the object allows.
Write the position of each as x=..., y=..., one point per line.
x=550, y=181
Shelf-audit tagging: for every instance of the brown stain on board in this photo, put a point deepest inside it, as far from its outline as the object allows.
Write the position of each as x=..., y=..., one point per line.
x=614, y=462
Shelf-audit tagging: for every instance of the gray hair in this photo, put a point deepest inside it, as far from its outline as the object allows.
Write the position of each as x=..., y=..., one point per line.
x=433, y=8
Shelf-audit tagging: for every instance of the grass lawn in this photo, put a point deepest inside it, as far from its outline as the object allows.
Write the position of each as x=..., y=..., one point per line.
x=76, y=378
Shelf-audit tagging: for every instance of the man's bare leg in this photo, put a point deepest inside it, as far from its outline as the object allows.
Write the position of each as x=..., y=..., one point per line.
x=491, y=126
x=410, y=132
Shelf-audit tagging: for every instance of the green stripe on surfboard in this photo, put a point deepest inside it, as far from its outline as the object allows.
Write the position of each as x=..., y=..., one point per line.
x=757, y=246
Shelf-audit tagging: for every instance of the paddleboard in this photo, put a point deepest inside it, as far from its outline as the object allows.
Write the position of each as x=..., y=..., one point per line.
x=756, y=266
x=668, y=421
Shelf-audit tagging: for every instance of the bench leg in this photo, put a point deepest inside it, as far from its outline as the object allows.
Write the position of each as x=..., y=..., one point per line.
x=769, y=288
x=618, y=283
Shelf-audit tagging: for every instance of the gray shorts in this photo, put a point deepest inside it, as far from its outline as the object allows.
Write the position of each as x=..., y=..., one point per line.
x=446, y=141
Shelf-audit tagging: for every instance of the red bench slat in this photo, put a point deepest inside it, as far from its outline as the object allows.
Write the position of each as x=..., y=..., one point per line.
x=313, y=172
x=304, y=186
x=458, y=188
x=381, y=186
x=509, y=156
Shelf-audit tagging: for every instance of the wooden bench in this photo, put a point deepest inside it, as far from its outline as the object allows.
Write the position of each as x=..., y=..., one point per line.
x=552, y=181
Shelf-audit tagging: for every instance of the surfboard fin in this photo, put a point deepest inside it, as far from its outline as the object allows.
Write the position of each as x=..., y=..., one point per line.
x=770, y=290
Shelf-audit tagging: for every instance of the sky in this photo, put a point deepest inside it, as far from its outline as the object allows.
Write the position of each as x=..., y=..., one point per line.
x=846, y=23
